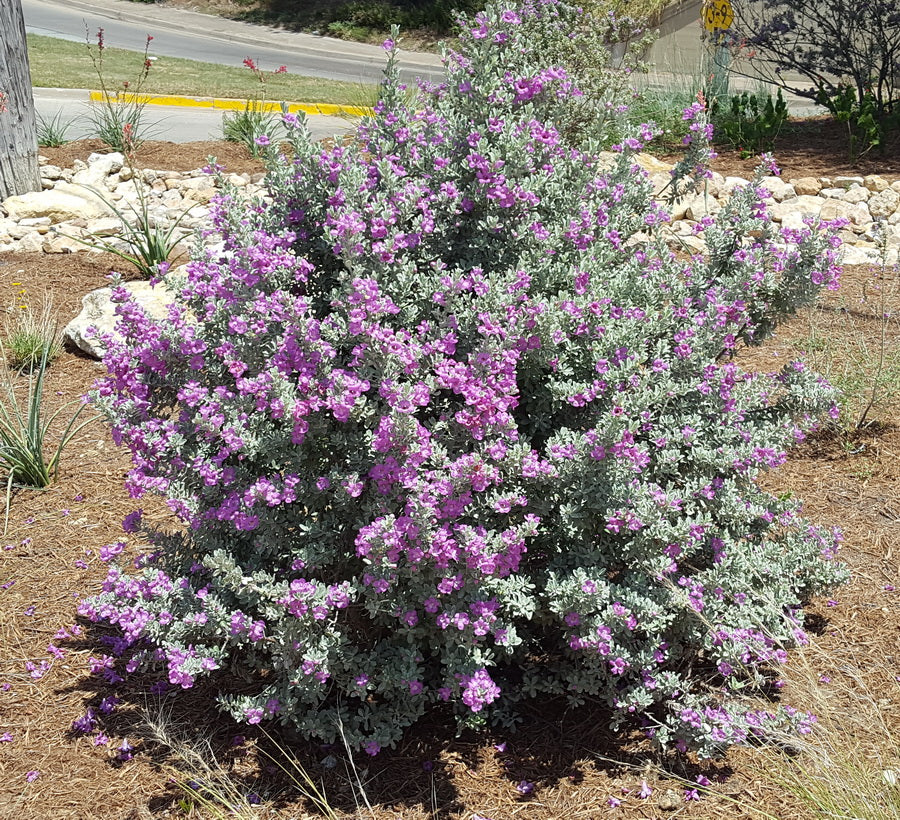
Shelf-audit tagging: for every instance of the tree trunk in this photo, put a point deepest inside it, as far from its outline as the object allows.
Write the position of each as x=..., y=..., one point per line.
x=18, y=130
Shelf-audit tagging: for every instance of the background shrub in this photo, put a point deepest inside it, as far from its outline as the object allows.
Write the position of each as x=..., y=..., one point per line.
x=846, y=53
x=447, y=422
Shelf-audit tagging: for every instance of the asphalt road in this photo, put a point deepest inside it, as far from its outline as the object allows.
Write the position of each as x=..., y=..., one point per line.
x=178, y=33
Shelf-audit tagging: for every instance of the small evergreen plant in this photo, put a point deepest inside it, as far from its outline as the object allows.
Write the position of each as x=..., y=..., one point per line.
x=446, y=421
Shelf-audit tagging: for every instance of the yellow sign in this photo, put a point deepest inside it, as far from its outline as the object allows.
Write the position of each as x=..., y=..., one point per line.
x=717, y=15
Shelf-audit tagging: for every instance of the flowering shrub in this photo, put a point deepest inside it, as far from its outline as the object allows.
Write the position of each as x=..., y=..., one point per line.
x=447, y=422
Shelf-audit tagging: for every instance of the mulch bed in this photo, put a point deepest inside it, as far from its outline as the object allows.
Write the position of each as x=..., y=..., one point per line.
x=814, y=147
x=50, y=554
x=164, y=156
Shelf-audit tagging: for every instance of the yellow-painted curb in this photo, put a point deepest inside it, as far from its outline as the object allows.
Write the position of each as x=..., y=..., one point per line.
x=328, y=109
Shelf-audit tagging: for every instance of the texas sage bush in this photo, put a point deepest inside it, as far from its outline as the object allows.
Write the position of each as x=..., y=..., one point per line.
x=448, y=424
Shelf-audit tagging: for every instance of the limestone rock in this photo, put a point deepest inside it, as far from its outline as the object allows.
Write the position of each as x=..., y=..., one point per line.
x=856, y=193
x=860, y=254
x=171, y=197
x=679, y=208
x=106, y=226
x=846, y=182
x=778, y=188
x=62, y=203
x=31, y=243
x=806, y=186
x=59, y=243
x=203, y=195
x=701, y=205
x=875, y=183
x=659, y=182
x=793, y=220
x=806, y=205
x=884, y=203
x=195, y=183
x=694, y=243
x=99, y=167
x=648, y=162
x=98, y=314
x=836, y=209
x=732, y=183
x=58, y=205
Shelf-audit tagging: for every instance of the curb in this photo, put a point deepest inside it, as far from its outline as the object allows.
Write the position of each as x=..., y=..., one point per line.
x=322, y=109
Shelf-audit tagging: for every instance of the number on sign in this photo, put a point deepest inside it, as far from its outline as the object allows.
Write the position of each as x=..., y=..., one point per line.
x=717, y=15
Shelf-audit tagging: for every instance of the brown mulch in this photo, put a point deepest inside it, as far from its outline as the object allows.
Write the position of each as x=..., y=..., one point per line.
x=813, y=147
x=50, y=554
x=163, y=156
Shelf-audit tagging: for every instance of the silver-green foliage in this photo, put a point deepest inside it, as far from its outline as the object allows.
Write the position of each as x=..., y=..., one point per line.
x=447, y=421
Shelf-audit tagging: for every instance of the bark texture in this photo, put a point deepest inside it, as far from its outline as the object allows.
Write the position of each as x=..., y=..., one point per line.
x=18, y=130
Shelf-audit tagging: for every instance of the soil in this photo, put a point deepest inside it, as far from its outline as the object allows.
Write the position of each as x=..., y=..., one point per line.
x=814, y=147
x=161, y=155
x=50, y=558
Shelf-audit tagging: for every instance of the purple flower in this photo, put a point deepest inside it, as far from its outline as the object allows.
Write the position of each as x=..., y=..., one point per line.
x=645, y=791
x=108, y=704
x=525, y=787
x=132, y=521
x=479, y=690
x=33, y=775
x=86, y=723
x=126, y=751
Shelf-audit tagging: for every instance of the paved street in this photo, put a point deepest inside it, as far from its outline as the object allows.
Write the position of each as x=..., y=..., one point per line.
x=179, y=33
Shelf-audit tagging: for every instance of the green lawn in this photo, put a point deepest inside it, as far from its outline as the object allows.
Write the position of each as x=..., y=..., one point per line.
x=59, y=63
